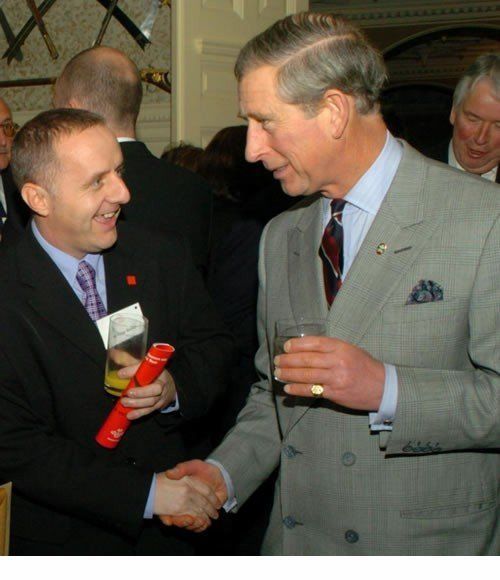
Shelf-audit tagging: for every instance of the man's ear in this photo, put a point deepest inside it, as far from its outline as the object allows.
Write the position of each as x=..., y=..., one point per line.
x=37, y=198
x=339, y=106
x=453, y=116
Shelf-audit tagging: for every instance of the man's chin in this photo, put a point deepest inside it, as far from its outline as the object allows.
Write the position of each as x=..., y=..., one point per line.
x=479, y=169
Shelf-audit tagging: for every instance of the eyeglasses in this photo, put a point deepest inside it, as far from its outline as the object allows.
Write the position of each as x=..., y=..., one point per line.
x=9, y=128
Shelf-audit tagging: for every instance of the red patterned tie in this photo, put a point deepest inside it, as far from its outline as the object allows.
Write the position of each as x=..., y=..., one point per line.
x=331, y=251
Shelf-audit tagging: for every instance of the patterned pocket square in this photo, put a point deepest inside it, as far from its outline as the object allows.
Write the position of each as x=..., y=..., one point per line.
x=425, y=291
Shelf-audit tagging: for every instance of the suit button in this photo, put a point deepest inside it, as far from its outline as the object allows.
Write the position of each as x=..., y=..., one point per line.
x=131, y=460
x=348, y=459
x=290, y=451
x=351, y=536
x=289, y=522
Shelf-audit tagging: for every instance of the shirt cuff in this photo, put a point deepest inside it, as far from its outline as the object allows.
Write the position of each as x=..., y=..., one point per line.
x=231, y=500
x=384, y=418
x=148, y=510
x=174, y=406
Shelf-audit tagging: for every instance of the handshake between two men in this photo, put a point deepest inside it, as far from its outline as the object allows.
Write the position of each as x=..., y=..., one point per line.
x=191, y=493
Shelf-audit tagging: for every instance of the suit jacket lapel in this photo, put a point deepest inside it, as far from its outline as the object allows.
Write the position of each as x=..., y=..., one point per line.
x=305, y=277
x=401, y=226
x=52, y=298
x=123, y=281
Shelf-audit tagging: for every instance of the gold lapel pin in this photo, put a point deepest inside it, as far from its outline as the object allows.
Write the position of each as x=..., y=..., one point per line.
x=381, y=248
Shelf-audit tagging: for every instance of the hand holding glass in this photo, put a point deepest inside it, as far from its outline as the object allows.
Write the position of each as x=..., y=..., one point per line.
x=286, y=329
x=128, y=334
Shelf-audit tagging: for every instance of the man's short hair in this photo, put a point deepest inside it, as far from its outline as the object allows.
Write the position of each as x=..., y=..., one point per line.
x=487, y=66
x=33, y=152
x=115, y=92
x=316, y=52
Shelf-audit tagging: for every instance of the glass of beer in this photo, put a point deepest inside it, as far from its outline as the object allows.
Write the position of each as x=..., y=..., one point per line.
x=127, y=340
x=291, y=328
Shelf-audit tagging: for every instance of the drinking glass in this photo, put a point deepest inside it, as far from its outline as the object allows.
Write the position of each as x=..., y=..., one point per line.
x=127, y=339
x=294, y=328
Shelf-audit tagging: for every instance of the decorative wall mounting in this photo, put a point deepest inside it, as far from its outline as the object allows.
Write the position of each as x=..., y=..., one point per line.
x=141, y=35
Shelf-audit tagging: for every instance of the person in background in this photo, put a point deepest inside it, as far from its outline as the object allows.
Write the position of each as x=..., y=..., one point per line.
x=475, y=115
x=163, y=196
x=184, y=155
x=11, y=204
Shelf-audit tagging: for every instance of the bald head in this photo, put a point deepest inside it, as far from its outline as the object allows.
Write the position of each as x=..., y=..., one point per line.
x=105, y=81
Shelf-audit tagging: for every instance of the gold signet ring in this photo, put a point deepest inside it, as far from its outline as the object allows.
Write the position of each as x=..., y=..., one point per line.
x=317, y=390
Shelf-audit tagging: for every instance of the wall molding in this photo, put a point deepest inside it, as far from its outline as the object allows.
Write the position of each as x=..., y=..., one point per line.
x=210, y=48
x=392, y=13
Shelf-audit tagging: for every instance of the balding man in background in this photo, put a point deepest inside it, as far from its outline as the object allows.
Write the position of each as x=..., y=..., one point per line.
x=163, y=196
x=475, y=116
x=11, y=204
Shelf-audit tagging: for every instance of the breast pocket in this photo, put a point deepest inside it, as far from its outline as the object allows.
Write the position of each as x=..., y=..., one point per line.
x=426, y=311
x=427, y=335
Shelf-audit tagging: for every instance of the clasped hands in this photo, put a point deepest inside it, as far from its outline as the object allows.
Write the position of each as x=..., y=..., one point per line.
x=190, y=495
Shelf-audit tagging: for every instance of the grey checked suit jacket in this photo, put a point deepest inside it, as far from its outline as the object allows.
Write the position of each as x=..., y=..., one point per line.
x=432, y=485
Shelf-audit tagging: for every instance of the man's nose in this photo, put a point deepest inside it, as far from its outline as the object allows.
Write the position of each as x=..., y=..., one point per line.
x=256, y=142
x=120, y=192
x=482, y=133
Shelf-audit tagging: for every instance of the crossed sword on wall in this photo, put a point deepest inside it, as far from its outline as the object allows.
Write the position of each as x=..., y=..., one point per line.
x=141, y=35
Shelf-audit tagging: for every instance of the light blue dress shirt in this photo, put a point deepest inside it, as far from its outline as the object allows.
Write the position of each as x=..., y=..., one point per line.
x=363, y=202
x=68, y=266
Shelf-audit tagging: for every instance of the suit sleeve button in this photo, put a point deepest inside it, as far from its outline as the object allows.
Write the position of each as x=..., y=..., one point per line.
x=131, y=460
x=348, y=459
x=289, y=522
x=351, y=536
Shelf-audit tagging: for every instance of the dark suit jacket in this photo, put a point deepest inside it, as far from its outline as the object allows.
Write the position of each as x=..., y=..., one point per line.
x=17, y=211
x=165, y=196
x=69, y=491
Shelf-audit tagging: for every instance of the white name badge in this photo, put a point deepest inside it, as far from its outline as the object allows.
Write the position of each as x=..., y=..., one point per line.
x=103, y=323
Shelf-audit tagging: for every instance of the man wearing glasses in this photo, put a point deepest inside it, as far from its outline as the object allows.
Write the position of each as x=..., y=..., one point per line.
x=11, y=204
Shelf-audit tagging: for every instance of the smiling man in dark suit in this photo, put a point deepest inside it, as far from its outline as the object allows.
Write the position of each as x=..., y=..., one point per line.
x=71, y=496
x=163, y=196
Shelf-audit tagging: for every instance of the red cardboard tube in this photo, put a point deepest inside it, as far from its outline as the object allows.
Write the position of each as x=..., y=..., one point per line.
x=116, y=424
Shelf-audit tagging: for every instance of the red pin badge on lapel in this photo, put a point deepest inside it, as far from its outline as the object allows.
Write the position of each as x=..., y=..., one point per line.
x=131, y=280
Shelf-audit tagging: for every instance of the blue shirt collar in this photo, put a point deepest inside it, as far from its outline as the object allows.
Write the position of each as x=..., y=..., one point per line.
x=68, y=265
x=370, y=190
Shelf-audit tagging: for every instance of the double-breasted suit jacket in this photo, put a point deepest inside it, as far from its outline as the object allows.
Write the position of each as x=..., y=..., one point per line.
x=431, y=486
x=69, y=492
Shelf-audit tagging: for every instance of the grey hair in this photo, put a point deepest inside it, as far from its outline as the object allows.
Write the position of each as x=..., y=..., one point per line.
x=316, y=52
x=487, y=66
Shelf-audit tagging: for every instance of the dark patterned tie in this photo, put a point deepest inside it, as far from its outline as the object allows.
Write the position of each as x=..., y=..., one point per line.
x=331, y=251
x=93, y=303
x=3, y=215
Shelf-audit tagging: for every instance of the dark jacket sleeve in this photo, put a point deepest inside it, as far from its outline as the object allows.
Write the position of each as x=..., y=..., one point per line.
x=205, y=348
